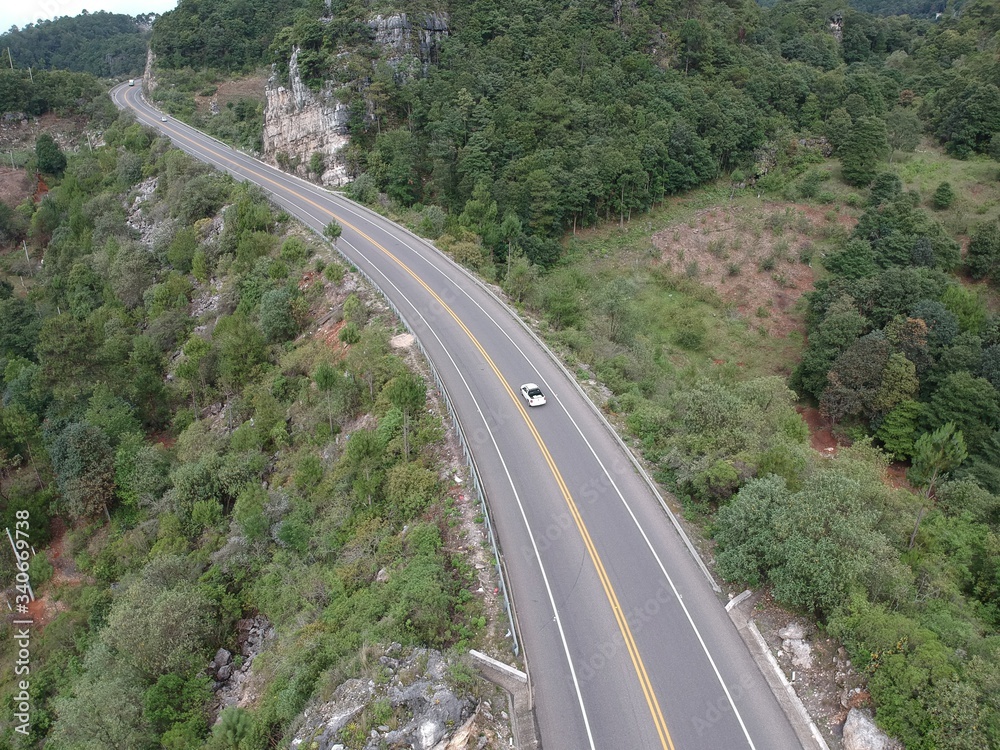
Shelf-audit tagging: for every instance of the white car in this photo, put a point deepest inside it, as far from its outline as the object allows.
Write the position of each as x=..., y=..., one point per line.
x=163, y=119
x=532, y=394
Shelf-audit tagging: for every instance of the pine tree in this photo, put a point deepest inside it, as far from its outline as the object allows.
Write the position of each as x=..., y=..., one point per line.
x=51, y=159
x=864, y=150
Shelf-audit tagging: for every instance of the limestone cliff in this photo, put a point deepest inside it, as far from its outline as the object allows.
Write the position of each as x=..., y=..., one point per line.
x=299, y=122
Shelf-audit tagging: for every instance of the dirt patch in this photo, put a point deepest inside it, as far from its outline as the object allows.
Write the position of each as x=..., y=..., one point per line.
x=68, y=132
x=15, y=186
x=821, y=435
x=251, y=87
x=757, y=260
x=45, y=607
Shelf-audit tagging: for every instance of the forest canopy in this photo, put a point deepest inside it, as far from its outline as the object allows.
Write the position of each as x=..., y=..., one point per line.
x=107, y=45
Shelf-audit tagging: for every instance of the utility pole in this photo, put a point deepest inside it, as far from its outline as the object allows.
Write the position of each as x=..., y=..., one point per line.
x=10, y=58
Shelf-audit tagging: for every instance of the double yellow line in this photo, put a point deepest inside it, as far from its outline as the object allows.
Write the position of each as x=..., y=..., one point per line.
x=633, y=650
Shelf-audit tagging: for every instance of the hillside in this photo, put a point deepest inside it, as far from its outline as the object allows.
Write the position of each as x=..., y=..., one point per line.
x=216, y=446
x=718, y=214
x=107, y=45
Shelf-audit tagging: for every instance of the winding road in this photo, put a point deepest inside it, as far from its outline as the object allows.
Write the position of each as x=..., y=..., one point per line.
x=627, y=645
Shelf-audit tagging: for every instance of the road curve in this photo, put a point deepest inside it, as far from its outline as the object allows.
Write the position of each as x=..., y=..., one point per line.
x=627, y=645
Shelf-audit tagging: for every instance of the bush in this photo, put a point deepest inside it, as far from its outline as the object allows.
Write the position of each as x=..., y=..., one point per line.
x=350, y=334
x=294, y=250
x=944, y=196
x=334, y=273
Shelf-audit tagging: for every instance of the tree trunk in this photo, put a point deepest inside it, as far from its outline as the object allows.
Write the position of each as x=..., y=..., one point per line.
x=916, y=527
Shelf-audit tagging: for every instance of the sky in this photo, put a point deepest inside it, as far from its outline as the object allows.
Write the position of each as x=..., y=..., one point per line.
x=22, y=12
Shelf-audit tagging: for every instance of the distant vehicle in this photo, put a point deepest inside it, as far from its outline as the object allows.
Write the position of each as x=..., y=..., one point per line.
x=532, y=394
x=163, y=119
x=131, y=82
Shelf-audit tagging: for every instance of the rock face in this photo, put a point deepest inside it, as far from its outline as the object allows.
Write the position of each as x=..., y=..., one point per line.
x=232, y=679
x=860, y=733
x=299, y=122
x=794, y=642
x=404, y=43
x=416, y=688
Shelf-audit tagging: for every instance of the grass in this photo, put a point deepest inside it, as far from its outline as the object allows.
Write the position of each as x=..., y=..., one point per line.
x=681, y=328
x=976, y=183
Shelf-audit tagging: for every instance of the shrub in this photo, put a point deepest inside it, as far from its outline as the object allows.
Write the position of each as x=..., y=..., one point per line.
x=334, y=273
x=350, y=334
x=944, y=196
x=293, y=250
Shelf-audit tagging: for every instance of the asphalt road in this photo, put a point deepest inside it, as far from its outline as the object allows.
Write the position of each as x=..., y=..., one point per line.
x=627, y=645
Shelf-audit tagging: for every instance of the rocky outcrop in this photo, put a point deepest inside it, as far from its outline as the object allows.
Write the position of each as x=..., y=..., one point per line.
x=793, y=641
x=860, y=733
x=415, y=688
x=148, y=76
x=299, y=122
x=232, y=677
x=404, y=43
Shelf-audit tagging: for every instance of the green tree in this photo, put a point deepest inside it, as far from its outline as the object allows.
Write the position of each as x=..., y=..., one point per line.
x=855, y=380
x=838, y=128
x=234, y=730
x=111, y=414
x=839, y=328
x=971, y=403
x=51, y=159
x=944, y=196
x=815, y=546
x=903, y=128
x=407, y=393
x=84, y=466
x=241, y=350
x=180, y=252
x=409, y=489
x=140, y=471
x=865, y=148
x=102, y=710
x=161, y=624
x=199, y=266
x=334, y=388
x=196, y=366
x=898, y=430
x=983, y=258
x=22, y=425
x=934, y=455
x=277, y=316
x=317, y=163
x=365, y=460
x=332, y=231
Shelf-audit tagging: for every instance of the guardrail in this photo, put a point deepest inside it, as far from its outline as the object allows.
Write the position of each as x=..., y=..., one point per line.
x=463, y=441
x=456, y=422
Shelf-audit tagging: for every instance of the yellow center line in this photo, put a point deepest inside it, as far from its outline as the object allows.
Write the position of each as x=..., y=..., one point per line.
x=633, y=650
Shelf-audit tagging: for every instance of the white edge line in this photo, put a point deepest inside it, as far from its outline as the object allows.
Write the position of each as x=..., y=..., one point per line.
x=517, y=497
x=792, y=695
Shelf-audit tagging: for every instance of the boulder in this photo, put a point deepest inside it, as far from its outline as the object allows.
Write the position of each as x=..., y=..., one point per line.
x=222, y=658
x=861, y=733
